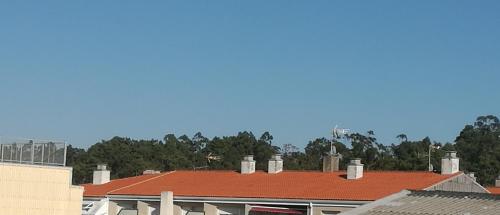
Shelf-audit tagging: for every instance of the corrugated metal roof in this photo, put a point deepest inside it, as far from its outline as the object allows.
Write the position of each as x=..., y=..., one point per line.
x=439, y=203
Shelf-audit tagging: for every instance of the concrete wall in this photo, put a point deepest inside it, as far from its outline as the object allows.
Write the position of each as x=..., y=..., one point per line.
x=167, y=203
x=31, y=189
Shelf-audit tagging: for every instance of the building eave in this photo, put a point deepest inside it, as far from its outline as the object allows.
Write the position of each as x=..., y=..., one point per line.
x=260, y=201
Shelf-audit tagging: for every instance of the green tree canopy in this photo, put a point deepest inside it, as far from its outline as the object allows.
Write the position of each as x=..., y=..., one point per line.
x=478, y=146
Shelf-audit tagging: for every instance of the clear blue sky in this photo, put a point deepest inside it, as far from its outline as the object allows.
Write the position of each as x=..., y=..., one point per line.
x=89, y=70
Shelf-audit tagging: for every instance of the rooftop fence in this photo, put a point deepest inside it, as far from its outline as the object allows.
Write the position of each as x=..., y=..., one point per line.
x=30, y=151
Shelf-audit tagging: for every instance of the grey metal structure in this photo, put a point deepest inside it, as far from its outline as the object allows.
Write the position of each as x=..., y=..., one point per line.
x=31, y=151
x=460, y=183
x=431, y=202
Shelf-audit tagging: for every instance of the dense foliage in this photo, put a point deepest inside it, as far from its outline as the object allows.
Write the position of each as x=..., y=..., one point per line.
x=478, y=146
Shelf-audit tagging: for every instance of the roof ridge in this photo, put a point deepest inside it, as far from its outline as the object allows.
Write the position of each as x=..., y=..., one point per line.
x=122, y=179
x=114, y=180
x=313, y=171
x=140, y=182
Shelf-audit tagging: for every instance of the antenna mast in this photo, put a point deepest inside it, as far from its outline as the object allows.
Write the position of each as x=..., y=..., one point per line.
x=337, y=135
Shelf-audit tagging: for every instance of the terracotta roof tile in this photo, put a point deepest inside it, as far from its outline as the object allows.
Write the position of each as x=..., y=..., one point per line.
x=494, y=190
x=91, y=190
x=285, y=185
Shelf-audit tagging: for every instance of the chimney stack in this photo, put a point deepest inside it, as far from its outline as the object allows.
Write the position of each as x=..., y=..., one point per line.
x=150, y=172
x=355, y=169
x=247, y=165
x=101, y=175
x=275, y=164
x=497, y=182
x=331, y=163
x=449, y=163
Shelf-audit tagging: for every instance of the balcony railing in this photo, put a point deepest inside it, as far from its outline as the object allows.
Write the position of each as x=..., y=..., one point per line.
x=29, y=151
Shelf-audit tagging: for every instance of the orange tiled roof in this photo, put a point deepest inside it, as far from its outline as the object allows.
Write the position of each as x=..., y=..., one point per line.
x=494, y=190
x=92, y=190
x=286, y=185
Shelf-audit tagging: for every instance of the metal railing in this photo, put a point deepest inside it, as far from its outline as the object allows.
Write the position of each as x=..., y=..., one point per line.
x=30, y=151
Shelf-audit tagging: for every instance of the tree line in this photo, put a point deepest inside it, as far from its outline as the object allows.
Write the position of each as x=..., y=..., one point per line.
x=478, y=146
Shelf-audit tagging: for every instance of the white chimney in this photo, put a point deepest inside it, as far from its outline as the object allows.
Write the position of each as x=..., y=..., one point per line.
x=355, y=169
x=449, y=163
x=497, y=182
x=275, y=164
x=101, y=175
x=150, y=172
x=247, y=165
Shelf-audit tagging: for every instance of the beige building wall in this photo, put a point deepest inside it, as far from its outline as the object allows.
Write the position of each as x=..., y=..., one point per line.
x=32, y=189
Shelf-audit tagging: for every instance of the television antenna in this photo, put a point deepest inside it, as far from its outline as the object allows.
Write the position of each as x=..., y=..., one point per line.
x=209, y=158
x=337, y=135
